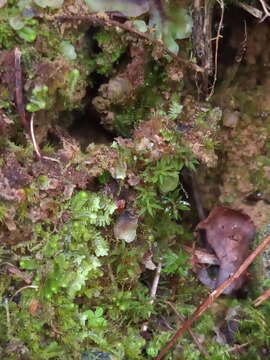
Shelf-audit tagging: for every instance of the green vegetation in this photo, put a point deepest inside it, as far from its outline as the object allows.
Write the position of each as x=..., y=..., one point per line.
x=39, y=99
x=104, y=62
x=69, y=288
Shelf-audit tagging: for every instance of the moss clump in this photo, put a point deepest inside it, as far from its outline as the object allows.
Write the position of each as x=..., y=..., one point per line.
x=112, y=47
x=71, y=288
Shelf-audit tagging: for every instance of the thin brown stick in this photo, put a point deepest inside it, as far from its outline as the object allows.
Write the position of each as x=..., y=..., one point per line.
x=13, y=270
x=97, y=20
x=238, y=347
x=112, y=277
x=262, y=298
x=19, y=89
x=194, y=337
x=51, y=159
x=213, y=296
x=218, y=36
x=6, y=305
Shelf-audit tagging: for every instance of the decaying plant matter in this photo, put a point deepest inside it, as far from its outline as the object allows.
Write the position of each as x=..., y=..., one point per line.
x=122, y=125
x=229, y=233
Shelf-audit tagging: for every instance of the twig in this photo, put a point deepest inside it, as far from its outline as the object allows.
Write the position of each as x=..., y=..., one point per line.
x=36, y=147
x=35, y=144
x=15, y=271
x=97, y=20
x=6, y=263
x=262, y=298
x=213, y=296
x=218, y=36
x=194, y=337
x=265, y=8
x=51, y=159
x=201, y=37
x=155, y=283
x=23, y=288
x=19, y=89
x=111, y=275
x=238, y=347
x=250, y=9
x=153, y=291
x=8, y=318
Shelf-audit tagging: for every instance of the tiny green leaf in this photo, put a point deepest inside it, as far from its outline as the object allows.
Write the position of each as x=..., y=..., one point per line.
x=16, y=22
x=99, y=312
x=39, y=98
x=128, y=8
x=140, y=25
x=28, y=264
x=27, y=34
x=169, y=183
x=68, y=50
x=73, y=78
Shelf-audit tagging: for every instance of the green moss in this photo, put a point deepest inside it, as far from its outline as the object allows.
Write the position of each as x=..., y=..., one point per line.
x=67, y=266
x=258, y=176
x=112, y=48
x=7, y=40
x=50, y=39
x=147, y=98
x=125, y=122
x=88, y=293
x=247, y=104
x=254, y=331
x=3, y=211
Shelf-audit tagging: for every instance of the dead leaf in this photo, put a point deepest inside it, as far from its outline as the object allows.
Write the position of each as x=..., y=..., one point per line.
x=229, y=233
x=33, y=306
